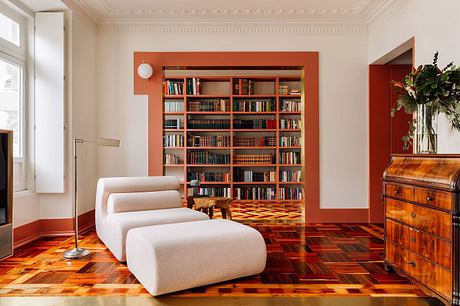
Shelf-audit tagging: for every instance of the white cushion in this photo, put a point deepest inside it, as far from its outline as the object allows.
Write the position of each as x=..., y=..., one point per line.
x=120, y=223
x=173, y=257
x=137, y=201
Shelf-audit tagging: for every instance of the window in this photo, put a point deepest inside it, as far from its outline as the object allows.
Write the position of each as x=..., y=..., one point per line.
x=12, y=89
x=9, y=30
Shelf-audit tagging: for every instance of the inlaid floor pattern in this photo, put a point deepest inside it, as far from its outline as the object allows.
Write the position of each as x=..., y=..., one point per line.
x=333, y=260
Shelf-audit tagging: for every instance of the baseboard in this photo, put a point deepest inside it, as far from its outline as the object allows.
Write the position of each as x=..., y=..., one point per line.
x=50, y=228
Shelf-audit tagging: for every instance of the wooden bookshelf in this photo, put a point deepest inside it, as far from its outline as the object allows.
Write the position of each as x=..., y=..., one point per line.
x=224, y=100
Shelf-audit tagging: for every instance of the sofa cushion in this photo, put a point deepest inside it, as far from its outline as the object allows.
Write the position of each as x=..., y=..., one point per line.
x=120, y=223
x=138, y=201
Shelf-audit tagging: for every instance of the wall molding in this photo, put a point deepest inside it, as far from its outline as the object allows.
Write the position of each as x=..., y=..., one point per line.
x=193, y=27
x=50, y=228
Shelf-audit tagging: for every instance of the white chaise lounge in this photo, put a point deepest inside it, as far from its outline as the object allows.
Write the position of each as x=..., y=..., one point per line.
x=124, y=203
x=173, y=257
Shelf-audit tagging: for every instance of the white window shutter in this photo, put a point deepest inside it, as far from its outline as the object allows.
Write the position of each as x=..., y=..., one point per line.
x=49, y=102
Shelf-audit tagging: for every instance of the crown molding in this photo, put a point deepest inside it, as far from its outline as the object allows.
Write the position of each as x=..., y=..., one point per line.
x=379, y=10
x=233, y=28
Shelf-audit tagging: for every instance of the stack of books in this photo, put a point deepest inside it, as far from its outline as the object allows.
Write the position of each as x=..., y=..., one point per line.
x=218, y=105
x=290, y=123
x=174, y=106
x=173, y=87
x=207, y=158
x=208, y=124
x=289, y=193
x=290, y=158
x=255, y=193
x=193, y=86
x=171, y=159
x=290, y=176
x=252, y=159
x=172, y=141
x=247, y=87
x=208, y=141
x=172, y=123
x=254, y=106
x=265, y=141
x=290, y=105
x=254, y=124
x=204, y=176
x=252, y=176
x=289, y=141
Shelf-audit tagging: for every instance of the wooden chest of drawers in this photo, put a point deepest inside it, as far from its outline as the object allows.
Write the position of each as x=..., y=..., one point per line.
x=422, y=221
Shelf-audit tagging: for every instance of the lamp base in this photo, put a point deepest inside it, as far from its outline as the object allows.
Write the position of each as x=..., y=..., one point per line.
x=76, y=253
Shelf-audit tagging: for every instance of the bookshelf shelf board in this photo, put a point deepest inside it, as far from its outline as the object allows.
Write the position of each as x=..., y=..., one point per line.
x=290, y=130
x=253, y=113
x=209, y=165
x=250, y=200
x=208, y=130
x=173, y=148
x=254, y=96
x=290, y=183
x=296, y=96
x=173, y=130
x=212, y=183
x=254, y=165
x=208, y=113
x=208, y=96
x=254, y=130
x=289, y=113
x=254, y=183
x=208, y=148
x=294, y=147
x=290, y=165
x=174, y=113
x=177, y=165
x=173, y=96
x=260, y=147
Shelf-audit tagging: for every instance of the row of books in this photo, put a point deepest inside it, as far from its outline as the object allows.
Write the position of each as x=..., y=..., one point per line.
x=208, y=124
x=284, y=90
x=208, y=141
x=174, y=106
x=290, y=141
x=269, y=141
x=290, y=123
x=290, y=176
x=193, y=86
x=207, y=158
x=254, y=176
x=219, y=105
x=255, y=193
x=171, y=159
x=243, y=87
x=212, y=191
x=290, y=106
x=254, y=106
x=254, y=124
x=173, y=123
x=290, y=193
x=204, y=176
x=290, y=158
x=172, y=141
x=173, y=87
x=245, y=159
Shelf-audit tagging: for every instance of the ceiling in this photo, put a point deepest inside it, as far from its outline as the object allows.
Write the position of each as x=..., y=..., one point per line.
x=119, y=11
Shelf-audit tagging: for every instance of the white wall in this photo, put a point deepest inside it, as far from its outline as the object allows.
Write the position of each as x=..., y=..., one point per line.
x=343, y=99
x=435, y=25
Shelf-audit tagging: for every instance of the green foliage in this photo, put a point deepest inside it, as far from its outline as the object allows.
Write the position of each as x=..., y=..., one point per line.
x=437, y=88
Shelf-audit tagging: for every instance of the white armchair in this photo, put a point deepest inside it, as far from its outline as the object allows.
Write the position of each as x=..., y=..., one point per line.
x=124, y=203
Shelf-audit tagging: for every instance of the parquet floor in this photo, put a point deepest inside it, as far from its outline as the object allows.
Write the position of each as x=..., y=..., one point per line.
x=319, y=259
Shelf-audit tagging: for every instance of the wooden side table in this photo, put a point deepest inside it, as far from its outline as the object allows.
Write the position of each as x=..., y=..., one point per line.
x=207, y=205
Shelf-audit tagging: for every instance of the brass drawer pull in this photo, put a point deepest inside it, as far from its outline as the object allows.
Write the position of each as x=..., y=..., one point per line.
x=412, y=263
x=413, y=239
x=413, y=214
x=397, y=191
x=429, y=199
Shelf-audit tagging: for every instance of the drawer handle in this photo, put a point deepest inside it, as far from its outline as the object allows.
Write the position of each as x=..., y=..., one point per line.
x=413, y=214
x=413, y=239
x=429, y=198
x=412, y=263
x=397, y=191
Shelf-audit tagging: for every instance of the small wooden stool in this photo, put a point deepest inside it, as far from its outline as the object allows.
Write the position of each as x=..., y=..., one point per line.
x=207, y=206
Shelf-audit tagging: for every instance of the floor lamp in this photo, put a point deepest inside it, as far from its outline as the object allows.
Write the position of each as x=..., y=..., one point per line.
x=77, y=253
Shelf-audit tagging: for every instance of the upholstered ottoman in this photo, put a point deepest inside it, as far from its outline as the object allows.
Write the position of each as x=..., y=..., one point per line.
x=173, y=257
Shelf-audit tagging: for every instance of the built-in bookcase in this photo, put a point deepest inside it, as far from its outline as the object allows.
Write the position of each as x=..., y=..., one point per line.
x=240, y=136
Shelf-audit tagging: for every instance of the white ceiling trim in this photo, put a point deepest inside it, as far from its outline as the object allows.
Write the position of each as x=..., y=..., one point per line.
x=232, y=28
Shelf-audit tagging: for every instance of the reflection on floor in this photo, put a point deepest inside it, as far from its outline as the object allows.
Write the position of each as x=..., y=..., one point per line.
x=326, y=260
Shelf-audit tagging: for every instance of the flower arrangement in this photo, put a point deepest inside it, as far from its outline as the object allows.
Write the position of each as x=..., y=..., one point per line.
x=436, y=90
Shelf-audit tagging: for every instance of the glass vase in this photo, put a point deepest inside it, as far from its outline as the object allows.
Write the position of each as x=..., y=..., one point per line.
x=426, y=130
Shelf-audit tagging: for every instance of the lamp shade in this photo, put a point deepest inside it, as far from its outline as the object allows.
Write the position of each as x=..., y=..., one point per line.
x=145, y=71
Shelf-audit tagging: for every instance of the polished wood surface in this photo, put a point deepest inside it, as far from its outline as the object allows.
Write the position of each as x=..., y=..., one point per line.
x=311, y=260
x=422, y=221
x=208, y=203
